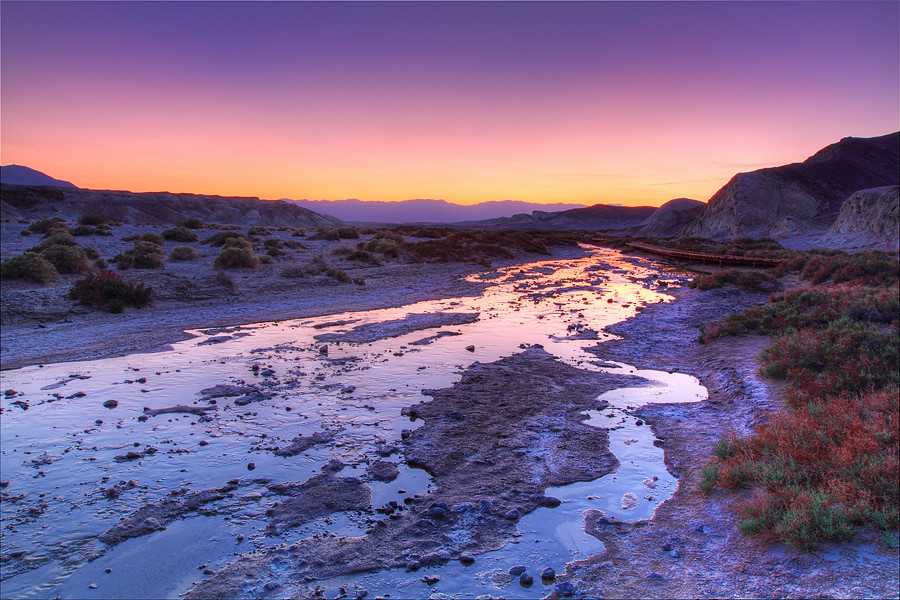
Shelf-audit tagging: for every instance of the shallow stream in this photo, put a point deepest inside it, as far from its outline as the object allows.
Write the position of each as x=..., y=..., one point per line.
x=64, y=451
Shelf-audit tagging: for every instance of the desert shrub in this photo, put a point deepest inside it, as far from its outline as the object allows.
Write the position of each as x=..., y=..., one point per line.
x=91, y=253
x=46, y=225
x=92, y=219
x=318, y=266
x=182, y=253
x=293, y=244
x=828, y=463
x=66, y=258
x=385, y=246
x=363, y=256
x=85, y=230
x=142, y=255
x=822, y=469
x=274, y=247
x=236, y=257
x=340, y=233
x=57, y=238
x=757, y=281
x=219, y=239
x=258, y=230
x=29, y=266
x=151, y=238
x=108, y=291
x=294, y=272
x=811, y=307
x=241, y=243
x=265, y=259
x=191, y=223
x=180, y=234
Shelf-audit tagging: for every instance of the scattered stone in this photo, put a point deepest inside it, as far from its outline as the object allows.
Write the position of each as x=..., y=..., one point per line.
x=303, y=443
x=517, y=570
x=111, y=404
x=525, y=580
x=431, y=579
x=629, y=501
x=251, y=466
x=383, y=470
x=548, y=574
x=180, y=408
x=470, y=348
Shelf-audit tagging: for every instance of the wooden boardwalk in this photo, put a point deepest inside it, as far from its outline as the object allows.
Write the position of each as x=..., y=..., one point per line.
x=721, y=259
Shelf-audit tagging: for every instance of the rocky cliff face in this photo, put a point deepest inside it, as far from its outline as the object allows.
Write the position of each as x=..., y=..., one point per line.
x=671, y=218
x=156, y=208
x=800, y=197
x=870, y=218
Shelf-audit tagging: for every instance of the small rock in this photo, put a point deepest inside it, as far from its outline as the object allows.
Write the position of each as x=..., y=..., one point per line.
x=93, y=586
x=516, y=570
x=466, y=559
x=9, y=393
x=548, y=574
x=110, y=404
x=470, y=348
x=525, y=580
x=431, y=579
x=565, y=589
x=251, y=466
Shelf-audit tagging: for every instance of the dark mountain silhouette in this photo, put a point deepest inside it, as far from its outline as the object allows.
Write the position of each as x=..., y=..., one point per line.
x=596, y=217
x=800, y=197
x=154, y=208
x=423, y=210
x=21, y=175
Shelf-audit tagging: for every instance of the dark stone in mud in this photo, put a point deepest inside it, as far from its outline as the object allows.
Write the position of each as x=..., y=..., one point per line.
x=383, y=470
x=565, y=589
x=517, y=570
x=549, y=501
x=218, y=339
x=153, y=517
x=466, y=559
x=548, y=574
x=178, y=409
x=318, y=496
x=525, y=580
x=110, y=404
x=224, y=391
x=303, y=443
x=433, y=338
x=254, y=396
x=251, y=466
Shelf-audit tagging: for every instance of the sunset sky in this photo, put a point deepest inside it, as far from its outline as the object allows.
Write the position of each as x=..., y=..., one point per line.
x=630, y=103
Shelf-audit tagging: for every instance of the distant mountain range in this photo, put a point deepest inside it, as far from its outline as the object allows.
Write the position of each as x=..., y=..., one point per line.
x=424, y=210
x=20, y=175
x=843, y=195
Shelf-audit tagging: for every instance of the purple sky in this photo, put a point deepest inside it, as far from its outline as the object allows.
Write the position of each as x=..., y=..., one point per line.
x=626, y=102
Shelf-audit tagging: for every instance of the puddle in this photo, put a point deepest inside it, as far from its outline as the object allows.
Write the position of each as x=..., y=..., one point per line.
x=59, y=454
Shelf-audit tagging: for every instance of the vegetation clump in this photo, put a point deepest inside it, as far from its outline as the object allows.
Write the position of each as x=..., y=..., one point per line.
x=93, y=219
x=180, y=234
x=29, y=266
x=828, y=463
x=755, y=281
x=46, y=226
x=219, y=239
x=183, y=253
x=108, y=291
x=142, y=255
x=66, y=258
x=237, y=256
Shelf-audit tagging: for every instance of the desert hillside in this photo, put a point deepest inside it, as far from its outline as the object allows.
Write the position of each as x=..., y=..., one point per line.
x=799, y=197
x=596, y=217
x=153, y=208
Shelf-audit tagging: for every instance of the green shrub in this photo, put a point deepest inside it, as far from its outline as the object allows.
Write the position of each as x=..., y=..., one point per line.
x=66, y=259
x=29, y=266
x=236, y=257
x=219, y=239
x=107, y=291
x=45, y=226
x=180, y=234
x=181, y=253
x=142, y=255
x=57, y=238
x=757, y=281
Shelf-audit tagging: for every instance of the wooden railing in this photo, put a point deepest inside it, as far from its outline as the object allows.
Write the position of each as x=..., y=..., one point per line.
x=722, y=259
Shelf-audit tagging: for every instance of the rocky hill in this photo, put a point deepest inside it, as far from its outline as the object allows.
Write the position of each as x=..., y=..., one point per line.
x=671, y=218
x=869, y=218
x=21, y=175
x=596, y=217
x=801, y=197
x=153, y=208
